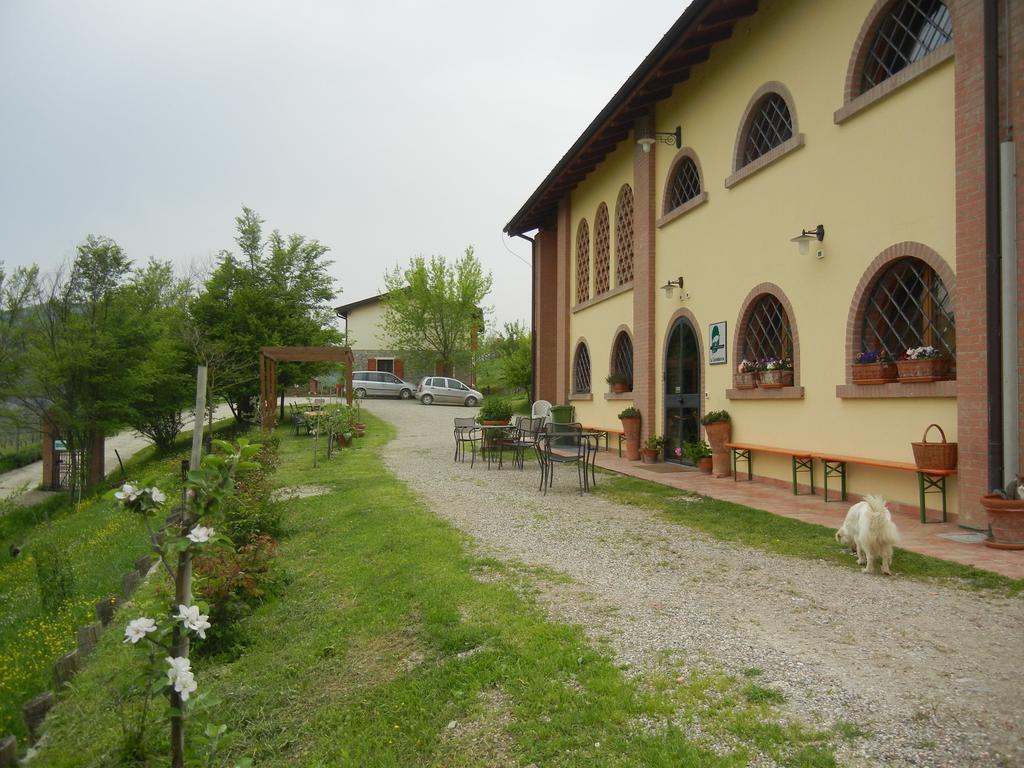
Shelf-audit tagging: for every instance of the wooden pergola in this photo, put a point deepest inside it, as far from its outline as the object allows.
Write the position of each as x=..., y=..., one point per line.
x=271, y=356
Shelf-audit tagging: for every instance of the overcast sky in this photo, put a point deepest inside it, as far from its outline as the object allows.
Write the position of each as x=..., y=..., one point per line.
x=384, y=130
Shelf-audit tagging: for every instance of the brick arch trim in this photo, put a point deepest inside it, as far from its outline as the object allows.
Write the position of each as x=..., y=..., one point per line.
x=772, y=86
x=895, y=252
x=683, y=312
x=580, y=342
x=862, y=46
x=615, y=340
x=744, y=318
x=677, y=161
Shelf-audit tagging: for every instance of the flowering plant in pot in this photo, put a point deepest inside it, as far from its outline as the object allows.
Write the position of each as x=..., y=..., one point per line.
x=718, y=428
x=699, y=453
x=923, y=364
x=872, y=367
x=746, y=374
x=1005, y=510
x=619, y=382
x=653, y=447
x=775, y=373
x=630, y=418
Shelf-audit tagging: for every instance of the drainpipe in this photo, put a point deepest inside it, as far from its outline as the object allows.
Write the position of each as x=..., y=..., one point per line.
x=1010, y=299
x=533, y=315
x=993, y=290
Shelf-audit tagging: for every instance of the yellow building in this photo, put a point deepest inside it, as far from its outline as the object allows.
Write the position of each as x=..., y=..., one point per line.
x=807, y=181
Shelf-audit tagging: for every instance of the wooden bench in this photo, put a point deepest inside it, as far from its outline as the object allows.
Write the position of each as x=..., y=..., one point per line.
x=928, y=480
x=801, y=461
x=607, y=433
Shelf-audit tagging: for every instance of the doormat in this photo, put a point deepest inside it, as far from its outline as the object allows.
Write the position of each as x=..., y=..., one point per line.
x=664, y=467
x=965, y=538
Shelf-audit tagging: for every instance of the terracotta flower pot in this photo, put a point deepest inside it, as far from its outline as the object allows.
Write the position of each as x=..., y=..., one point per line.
x=874, y=373
x=718, y=435
x=776, y=379
x=620, y=388
x=928, y=369
x=705, y=464
x=745, y=380
x=1006, y=521
x=631, y=428
x=650, y=455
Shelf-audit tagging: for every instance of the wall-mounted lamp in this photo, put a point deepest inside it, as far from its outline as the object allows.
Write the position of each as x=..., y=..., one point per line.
x=645, y=140
x=807, y=236
x=670, y=287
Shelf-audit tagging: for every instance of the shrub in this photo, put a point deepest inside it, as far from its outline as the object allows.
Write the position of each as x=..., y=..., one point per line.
x=655, y=442
x=54, y=575
x=629, y=413
x=495, y=409
x=696, y=451
x=713, y=417
x=249, y=511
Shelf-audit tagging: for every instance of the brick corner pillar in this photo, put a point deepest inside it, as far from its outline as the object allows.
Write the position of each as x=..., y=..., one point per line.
x=645, y=390
x=563, y=249
x=545, y=315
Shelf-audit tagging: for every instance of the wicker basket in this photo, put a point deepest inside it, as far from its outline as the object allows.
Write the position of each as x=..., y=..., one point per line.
x=934, y=455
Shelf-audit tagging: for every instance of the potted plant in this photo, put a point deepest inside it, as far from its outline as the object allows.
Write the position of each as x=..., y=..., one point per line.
x=630, y=418
x=922, y=364
x=340, y=423
x=871, y=367
x=619, y=382
x=718, y=428
x=653, y=447
x=775, y=373
x=746, y=375
x=1006, y=515
x=699, y=453
x=495, y=411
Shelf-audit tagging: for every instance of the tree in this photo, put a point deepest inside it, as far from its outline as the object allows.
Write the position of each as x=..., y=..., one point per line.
x=276, y=294
x=505, y=361
x=16, y=292
x=431, y=309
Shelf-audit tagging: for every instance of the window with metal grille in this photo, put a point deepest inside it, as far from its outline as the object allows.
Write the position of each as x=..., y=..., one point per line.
x=582, y=262
x=685, y=184
x=624, y=236
x=770, y=126
x=910, y=30
x=602, y=257
x=767, y=331
x=581, y=370
x=908, y=306
x=622, y=358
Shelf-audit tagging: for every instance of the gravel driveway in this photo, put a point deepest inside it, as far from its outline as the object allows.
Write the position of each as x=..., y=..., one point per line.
x=931, y=673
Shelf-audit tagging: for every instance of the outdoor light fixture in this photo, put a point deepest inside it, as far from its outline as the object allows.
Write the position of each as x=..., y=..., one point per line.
x=671, y=285
x=807, y=236
x=645, y=140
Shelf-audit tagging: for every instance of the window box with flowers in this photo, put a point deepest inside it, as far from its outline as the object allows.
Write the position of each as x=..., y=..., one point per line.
x=923, y=364
x=776, y=373
x=746, y=374
x=871, y=367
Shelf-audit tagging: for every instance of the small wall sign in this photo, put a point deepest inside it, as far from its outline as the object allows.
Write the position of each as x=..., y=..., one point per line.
x=716, y=348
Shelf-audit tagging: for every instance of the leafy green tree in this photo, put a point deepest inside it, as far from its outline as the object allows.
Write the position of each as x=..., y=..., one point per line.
x=275, y=293
x=432, y=309
x=16, y=293
x=505, y=361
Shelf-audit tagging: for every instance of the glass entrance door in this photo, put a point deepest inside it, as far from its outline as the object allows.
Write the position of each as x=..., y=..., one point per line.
x=682, y=389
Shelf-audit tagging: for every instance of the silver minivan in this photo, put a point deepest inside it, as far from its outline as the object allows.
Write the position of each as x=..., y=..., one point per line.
x=380, y=384
x=442, y=389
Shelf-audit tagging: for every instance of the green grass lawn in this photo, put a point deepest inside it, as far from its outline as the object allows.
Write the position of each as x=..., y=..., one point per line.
x=756, y=528
x=391, y=644
x=99, y=542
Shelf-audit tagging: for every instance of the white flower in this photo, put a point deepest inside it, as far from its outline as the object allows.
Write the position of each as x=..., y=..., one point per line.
x=128, y=492
x=179, y=674
x=157, y=495
x=190, y=616
x=200, y=534
x=138, y=629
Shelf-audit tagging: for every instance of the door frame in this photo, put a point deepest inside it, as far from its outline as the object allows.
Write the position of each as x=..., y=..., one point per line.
x=683, y=314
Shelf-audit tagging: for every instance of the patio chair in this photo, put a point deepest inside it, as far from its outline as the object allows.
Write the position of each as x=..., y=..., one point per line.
x=466, y=432
x=541, y=409
x=527, y=436
x=299, y=422
x=563, y=444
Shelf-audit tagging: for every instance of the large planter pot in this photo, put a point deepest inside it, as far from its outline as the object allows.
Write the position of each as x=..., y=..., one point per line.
x=649, y=455
x=774, y=379
x=920, y=371
x=874, y=373
x=705, y=464
x=718, y=435
x=620, y=388
x=631, y=429
x=745, y=380
x=1006, y=521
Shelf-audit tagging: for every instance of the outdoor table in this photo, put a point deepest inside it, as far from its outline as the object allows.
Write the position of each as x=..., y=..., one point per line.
x=489, y=444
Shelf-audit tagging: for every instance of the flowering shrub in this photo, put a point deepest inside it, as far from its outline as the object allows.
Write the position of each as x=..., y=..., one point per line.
x=776, y=364
x=748, y=366
x=923, y=353
x=871, y=356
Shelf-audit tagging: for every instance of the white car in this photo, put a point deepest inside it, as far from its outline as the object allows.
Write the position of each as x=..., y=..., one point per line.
x=443, y=389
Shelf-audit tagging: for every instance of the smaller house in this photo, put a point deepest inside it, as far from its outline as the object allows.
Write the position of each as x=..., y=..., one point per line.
x=369, y=344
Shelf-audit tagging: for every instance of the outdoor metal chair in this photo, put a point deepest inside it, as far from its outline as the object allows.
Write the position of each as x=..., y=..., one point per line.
x=563, y=444
x=466, y=432
x=527, y=436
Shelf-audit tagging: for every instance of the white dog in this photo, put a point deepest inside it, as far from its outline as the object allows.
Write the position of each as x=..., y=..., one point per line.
x=869, y=533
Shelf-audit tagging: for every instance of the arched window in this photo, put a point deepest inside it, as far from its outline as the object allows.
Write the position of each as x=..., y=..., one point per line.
x=770, y=124
x=624, y=236
x=622, y=358
x=602, y=257
x=581, y=370
x=766, y=330
x=908, y=306
x=684, y=186
x=905, y=33
x=582, y=262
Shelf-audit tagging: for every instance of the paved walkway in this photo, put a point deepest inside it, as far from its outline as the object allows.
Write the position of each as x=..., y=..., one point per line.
x=926, y=539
